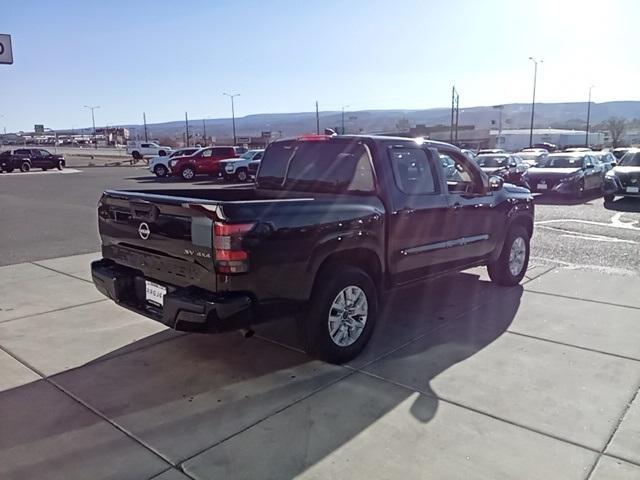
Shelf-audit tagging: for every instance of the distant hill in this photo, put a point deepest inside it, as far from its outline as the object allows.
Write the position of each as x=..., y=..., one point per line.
x=516, y=115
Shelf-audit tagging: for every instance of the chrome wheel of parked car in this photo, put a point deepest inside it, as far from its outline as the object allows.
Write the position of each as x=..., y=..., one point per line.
x=242, y=175
x=348, y=316
x=25, y=167
x=160, y=170
x=188, y=173
x=60, y=165
x=517, y=256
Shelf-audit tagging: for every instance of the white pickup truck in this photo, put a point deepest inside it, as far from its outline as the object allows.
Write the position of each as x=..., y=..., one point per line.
x=238, y=168
x=139, y=150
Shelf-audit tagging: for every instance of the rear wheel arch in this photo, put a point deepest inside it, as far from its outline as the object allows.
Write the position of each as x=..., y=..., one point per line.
x=365, y=259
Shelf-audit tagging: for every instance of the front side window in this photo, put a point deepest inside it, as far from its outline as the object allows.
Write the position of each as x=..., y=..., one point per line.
x=412, y=171
x=460, y=178
x=206, y=153
x=44, y=153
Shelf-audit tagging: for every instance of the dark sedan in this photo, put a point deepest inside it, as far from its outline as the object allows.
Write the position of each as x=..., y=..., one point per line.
x=624, y=179
x=510, y=167
x=571, y=173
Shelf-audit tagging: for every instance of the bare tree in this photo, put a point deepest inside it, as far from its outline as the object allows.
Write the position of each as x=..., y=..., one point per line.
x=616, y=127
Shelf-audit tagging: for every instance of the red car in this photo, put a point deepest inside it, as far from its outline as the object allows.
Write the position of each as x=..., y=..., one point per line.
x=205, y=161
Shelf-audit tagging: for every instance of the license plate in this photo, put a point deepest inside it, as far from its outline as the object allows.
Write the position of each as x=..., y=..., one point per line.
x=633, y=189
x=542, y=186
x=155, y=293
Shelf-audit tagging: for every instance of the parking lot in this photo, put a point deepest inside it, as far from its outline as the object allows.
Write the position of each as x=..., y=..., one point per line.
x=462, y=379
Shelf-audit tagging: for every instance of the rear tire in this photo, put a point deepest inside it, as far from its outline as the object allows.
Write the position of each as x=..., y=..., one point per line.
x=509, y=269
x=330, y=332
x=136, y=155
x=25, y=167
x=188, y=174
x=160, y=171
x=8, y=170
x=608, y=197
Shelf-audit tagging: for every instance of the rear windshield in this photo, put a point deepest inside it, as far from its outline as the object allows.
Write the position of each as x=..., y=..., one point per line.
x=490, y=161
x=317, y=166
x=562, y=161
x=630, y=159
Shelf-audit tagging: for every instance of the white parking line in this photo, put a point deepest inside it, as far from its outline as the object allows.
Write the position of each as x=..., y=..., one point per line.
x=40, y=172
x=616, y=222
x=588, y=236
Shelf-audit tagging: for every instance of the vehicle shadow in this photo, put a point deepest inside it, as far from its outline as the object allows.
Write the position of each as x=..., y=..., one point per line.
x=182, y=394
x=556, y=199
x=624, y=204
x=203, y=180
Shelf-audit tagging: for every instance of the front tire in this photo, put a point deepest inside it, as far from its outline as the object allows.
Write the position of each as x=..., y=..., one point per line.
x=25, y=167
x=342, y=314
x=160, y=171
x=188, y=174
x=136, y=155
x=60, y=165
x=242, y=175
x=608, y=197
x=509, y=269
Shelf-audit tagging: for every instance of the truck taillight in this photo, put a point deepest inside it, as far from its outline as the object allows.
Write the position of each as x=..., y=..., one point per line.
x=230, y=257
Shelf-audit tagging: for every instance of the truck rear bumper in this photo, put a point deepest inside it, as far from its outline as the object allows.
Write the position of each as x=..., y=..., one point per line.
x=185, y=309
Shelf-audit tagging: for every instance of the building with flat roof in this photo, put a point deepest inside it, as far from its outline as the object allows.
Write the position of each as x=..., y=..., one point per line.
x=519, y=138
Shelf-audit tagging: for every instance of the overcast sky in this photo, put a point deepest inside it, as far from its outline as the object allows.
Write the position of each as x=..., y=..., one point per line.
x=166, y=57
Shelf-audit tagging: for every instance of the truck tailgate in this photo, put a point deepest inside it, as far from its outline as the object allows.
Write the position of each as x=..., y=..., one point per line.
x=160, y=236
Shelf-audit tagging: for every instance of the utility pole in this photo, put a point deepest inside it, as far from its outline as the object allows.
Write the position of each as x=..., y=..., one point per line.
x=186, y=123
x=344, y=106
x=144, y=119
x=455, y=100
x=586, y=140
x=457, y=113
x=499, y=137
x=204, y=133
x=533, y=101
x=317, y=119
x=233, y=114
x=93, y=120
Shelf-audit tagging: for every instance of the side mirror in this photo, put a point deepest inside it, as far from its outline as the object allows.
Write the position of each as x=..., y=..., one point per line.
x=495, y=183
x=613, y=164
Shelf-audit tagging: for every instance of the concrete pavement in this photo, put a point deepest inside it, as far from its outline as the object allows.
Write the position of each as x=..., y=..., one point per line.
x=462, y=379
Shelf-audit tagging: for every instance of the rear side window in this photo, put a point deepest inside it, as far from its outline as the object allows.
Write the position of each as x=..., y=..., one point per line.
x=412, y=171
x=227, y=152
x=318, y=166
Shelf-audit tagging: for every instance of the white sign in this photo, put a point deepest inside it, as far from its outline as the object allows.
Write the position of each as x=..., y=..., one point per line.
x=6, y=55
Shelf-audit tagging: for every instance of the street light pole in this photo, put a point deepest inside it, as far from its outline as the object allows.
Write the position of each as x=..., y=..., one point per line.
x=586, y=140
x=144, y=119
x=343, y=107
x=204, y=133
x=533, y=102
x=317, y=119
x=233, y=114
x=93, y=120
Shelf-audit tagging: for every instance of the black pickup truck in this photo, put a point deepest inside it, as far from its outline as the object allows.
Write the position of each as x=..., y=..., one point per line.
x=331, y=225
x=26, y=158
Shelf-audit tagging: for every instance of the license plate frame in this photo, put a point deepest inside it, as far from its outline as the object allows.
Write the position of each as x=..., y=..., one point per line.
x=154, y=293
x=633, y=189
x=542, y=186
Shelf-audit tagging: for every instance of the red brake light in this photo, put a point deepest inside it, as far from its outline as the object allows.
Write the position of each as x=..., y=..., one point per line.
x=314, y=138
x=230, y=257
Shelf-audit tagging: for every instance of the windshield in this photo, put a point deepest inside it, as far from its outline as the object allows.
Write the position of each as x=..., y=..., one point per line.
x=248, y=155
x=562, y=161
x=490, y=161
x=531, y=156
x=630, y=159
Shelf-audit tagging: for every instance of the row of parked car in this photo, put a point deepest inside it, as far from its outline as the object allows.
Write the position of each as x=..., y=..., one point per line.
x=230, y=163
x=574, y=171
